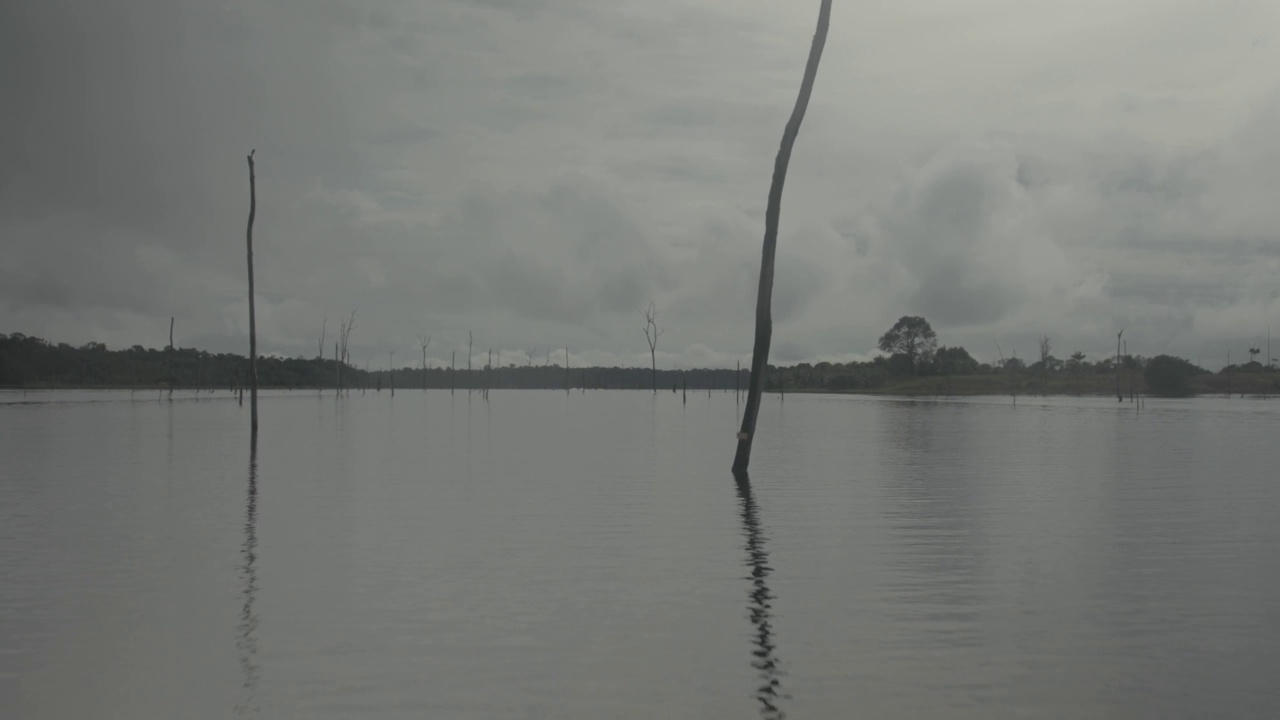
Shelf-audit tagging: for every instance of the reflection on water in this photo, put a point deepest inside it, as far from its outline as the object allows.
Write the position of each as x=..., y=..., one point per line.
x=760, y=607
x=940, y=537
x=563, y=557
x=246, y=644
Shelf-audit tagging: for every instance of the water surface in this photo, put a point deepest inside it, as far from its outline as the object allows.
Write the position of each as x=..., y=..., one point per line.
x=544, y=555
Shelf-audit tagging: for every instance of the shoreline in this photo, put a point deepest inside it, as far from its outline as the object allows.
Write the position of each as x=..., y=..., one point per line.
x=1257, y=386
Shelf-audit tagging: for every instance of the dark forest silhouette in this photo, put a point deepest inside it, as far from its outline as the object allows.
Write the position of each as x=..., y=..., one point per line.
x=31, y=362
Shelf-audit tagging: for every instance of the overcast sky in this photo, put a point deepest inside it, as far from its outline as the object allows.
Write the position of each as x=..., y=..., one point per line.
x=536, y=171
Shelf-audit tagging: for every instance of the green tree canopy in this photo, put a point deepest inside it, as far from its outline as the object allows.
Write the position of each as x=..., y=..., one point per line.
x=954, y=361
x=1167, y=375
x=913, y=339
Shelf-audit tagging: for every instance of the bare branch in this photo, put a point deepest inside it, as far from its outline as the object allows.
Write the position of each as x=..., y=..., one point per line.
x=651, y=335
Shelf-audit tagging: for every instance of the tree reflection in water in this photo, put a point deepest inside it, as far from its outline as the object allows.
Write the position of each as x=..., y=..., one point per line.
x=759, y=607
x=246, y=644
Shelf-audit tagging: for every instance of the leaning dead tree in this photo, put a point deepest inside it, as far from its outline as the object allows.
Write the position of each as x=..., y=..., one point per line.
x=651, y=334
x=253, y=322
x=764, y=298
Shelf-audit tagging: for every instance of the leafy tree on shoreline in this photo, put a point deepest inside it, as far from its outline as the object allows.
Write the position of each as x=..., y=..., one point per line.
x=1167, y=375
x=913, y=340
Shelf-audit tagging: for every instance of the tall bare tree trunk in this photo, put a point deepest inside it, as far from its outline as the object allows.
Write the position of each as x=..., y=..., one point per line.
x=1129, y=374
x=424, y=343
x=320, y=352
x=651, y=334
x=1119, y=394
x=253, y=321
x=170, y=357
x=764, y=299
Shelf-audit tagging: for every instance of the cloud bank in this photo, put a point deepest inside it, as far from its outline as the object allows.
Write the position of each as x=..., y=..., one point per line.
x=536, y=172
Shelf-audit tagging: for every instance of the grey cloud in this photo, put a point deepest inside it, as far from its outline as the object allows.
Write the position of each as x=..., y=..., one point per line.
x=539, y=170
x=792, y=352
x=950, y=296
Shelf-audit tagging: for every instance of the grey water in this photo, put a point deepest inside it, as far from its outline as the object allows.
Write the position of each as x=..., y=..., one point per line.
x=543, y=555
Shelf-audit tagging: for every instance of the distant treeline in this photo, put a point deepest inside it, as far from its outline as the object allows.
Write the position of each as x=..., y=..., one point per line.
x=33, y=362
x=952, y=371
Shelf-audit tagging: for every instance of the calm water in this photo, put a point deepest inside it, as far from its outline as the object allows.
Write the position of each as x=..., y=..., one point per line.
x=589, y=556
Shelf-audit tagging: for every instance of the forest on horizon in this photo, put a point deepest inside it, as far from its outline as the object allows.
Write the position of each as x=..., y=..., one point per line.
x=928, y=369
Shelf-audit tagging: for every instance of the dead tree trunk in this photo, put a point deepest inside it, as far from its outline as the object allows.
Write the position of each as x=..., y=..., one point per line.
x=651, y=334
x=1130, y=372
x=1119, y=394
x=764, y=298
x=169, y=356
x=424, y=342
x=253, y=321
x=340, y=352
x=1227, y=372
x=320, y=350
